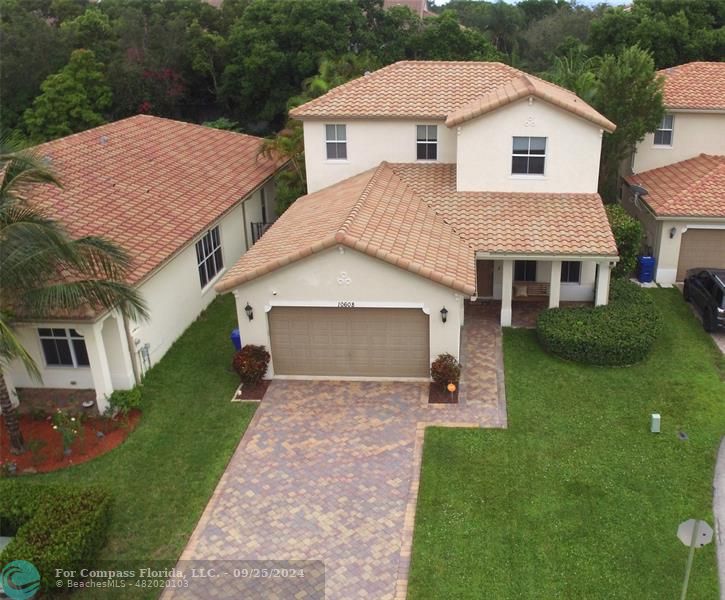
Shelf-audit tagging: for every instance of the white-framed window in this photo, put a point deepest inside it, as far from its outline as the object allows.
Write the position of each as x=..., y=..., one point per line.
x=525, y=270
x=571, y=271
x=209, y=256
x=63, y=347
x=528, y=156
x=663, y=134
x=426, y=141
x=336, y=142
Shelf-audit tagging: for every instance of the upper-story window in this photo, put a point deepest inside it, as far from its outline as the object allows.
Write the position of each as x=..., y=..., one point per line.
x=63, y=347
x=209, y=256
x=528, y=156
x=571, y=271
x=336, y=141
x=663, y=134
x=427, y=142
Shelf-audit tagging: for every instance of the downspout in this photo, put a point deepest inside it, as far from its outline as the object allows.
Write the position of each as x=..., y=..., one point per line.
x=131, y=349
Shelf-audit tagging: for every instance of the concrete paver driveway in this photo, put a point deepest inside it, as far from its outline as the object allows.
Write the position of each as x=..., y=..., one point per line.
x=329, y=471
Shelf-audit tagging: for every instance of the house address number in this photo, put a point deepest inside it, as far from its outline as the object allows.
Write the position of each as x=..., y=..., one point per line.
x=345, y=304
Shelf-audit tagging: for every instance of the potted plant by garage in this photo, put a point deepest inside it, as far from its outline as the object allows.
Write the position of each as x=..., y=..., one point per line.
x=251, y=364
x=446, y=374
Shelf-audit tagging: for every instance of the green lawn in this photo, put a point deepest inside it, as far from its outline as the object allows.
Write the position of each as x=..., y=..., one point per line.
x=577, y=499
x=163, y=475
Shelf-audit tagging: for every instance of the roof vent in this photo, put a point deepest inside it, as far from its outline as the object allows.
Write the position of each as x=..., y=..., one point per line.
x=103, y=140
x=367, y=73
x=48, y=160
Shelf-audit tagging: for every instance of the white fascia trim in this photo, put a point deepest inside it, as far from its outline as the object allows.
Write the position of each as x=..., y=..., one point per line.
x=337, y=304
x=715, y=111
x=546, y=257
x=697, y=222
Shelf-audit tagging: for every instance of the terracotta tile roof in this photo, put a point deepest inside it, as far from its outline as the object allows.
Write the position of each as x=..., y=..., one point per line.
x=438, y=90
x=149, y=184
x=375, y=213
x=418, y=7
x=410, y=215
x=695, y=86
x=524, y=86
x=512, y=222
x=690, y=188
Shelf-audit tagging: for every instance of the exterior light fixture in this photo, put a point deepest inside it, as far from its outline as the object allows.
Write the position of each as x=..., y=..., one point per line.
x=250, y=312
x=444, y=314
x=673, y=231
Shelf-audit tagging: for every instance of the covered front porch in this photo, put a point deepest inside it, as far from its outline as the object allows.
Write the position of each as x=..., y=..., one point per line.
x=524, y=285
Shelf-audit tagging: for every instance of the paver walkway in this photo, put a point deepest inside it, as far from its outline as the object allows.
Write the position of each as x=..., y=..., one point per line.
x=329, y=471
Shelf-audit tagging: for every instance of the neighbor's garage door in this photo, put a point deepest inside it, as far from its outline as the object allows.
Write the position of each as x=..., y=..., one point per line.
x=373, y=342
x=701, y=248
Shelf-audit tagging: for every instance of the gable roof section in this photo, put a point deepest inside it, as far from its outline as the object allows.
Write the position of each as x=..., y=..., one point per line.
x=522, y=87
x=150, y=185
x=695, y=86
x=439, y=90
x=689, y=188
x=514, y=222
x=375, y=213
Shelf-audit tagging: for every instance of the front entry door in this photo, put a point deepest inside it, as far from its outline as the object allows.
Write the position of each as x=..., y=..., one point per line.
x=484, y=277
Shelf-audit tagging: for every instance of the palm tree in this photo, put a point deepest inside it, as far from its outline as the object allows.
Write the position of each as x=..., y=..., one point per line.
x=44, y=269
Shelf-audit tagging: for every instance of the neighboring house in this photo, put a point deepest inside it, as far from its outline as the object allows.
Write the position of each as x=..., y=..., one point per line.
x=430, y=183
x=417, y=7
x=185, y=201
x=680, y=166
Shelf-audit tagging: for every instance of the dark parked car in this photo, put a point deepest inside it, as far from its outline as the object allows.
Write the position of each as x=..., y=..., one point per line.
x=705, y=288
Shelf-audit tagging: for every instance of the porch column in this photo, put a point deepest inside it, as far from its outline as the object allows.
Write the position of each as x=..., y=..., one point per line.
x=98, y=360
x=555, y=284
x=506, y=292
x=601, y=295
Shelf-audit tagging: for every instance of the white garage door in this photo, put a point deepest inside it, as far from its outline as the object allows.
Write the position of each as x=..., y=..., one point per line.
x=370, y=342
x=701, y=248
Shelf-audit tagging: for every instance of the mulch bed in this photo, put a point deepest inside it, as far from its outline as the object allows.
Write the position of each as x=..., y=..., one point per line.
x=439, y=395
x=45, y=447
x=255, y=392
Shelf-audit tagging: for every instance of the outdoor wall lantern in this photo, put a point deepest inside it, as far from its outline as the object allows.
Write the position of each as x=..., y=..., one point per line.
x=444, y=314
x=250, y=312
x=673, y=231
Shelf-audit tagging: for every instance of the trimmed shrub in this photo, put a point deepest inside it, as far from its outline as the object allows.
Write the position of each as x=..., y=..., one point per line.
x=621, y=333
x=57, y=526
x=251, y=363
x=124, y=401
x=628, y=234
x=445, y=369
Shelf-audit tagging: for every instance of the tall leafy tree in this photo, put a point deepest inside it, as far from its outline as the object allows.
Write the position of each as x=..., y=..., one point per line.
x=35, y=250
x=629, y=93
x=71, y=100
x=442, y=38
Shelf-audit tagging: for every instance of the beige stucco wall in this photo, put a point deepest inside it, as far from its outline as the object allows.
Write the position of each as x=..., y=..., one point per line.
x=314, y=281
x=174, y=299
x=572, y=150
x=369, y=142
x=693, y=134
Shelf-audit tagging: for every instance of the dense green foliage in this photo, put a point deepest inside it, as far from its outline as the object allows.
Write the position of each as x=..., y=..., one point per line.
x=55, y=526
x=628, y=234
x=576, y=498
x=162, y=476
x=618, y=334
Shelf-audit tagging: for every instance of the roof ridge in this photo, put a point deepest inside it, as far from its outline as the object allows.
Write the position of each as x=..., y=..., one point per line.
x=343, y=230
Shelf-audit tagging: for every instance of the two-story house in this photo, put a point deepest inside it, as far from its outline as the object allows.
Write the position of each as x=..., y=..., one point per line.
x=430, y=183
x=676, y=187
x=184, y=201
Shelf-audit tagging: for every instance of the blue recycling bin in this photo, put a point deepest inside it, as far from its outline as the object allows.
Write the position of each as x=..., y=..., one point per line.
x=646, y=269
x=236, y=339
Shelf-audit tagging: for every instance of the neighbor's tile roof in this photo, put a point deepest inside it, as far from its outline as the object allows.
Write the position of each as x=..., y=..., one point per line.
x=695, y=86
x=690, y=188
x=375, y=213
x=418, y=7
x=150, y=185
x=439, y=90
x=411, y=216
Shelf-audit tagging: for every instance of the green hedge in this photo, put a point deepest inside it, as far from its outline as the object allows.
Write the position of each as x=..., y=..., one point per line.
x=628, y=235
x=621, y=333
x=58, y=526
